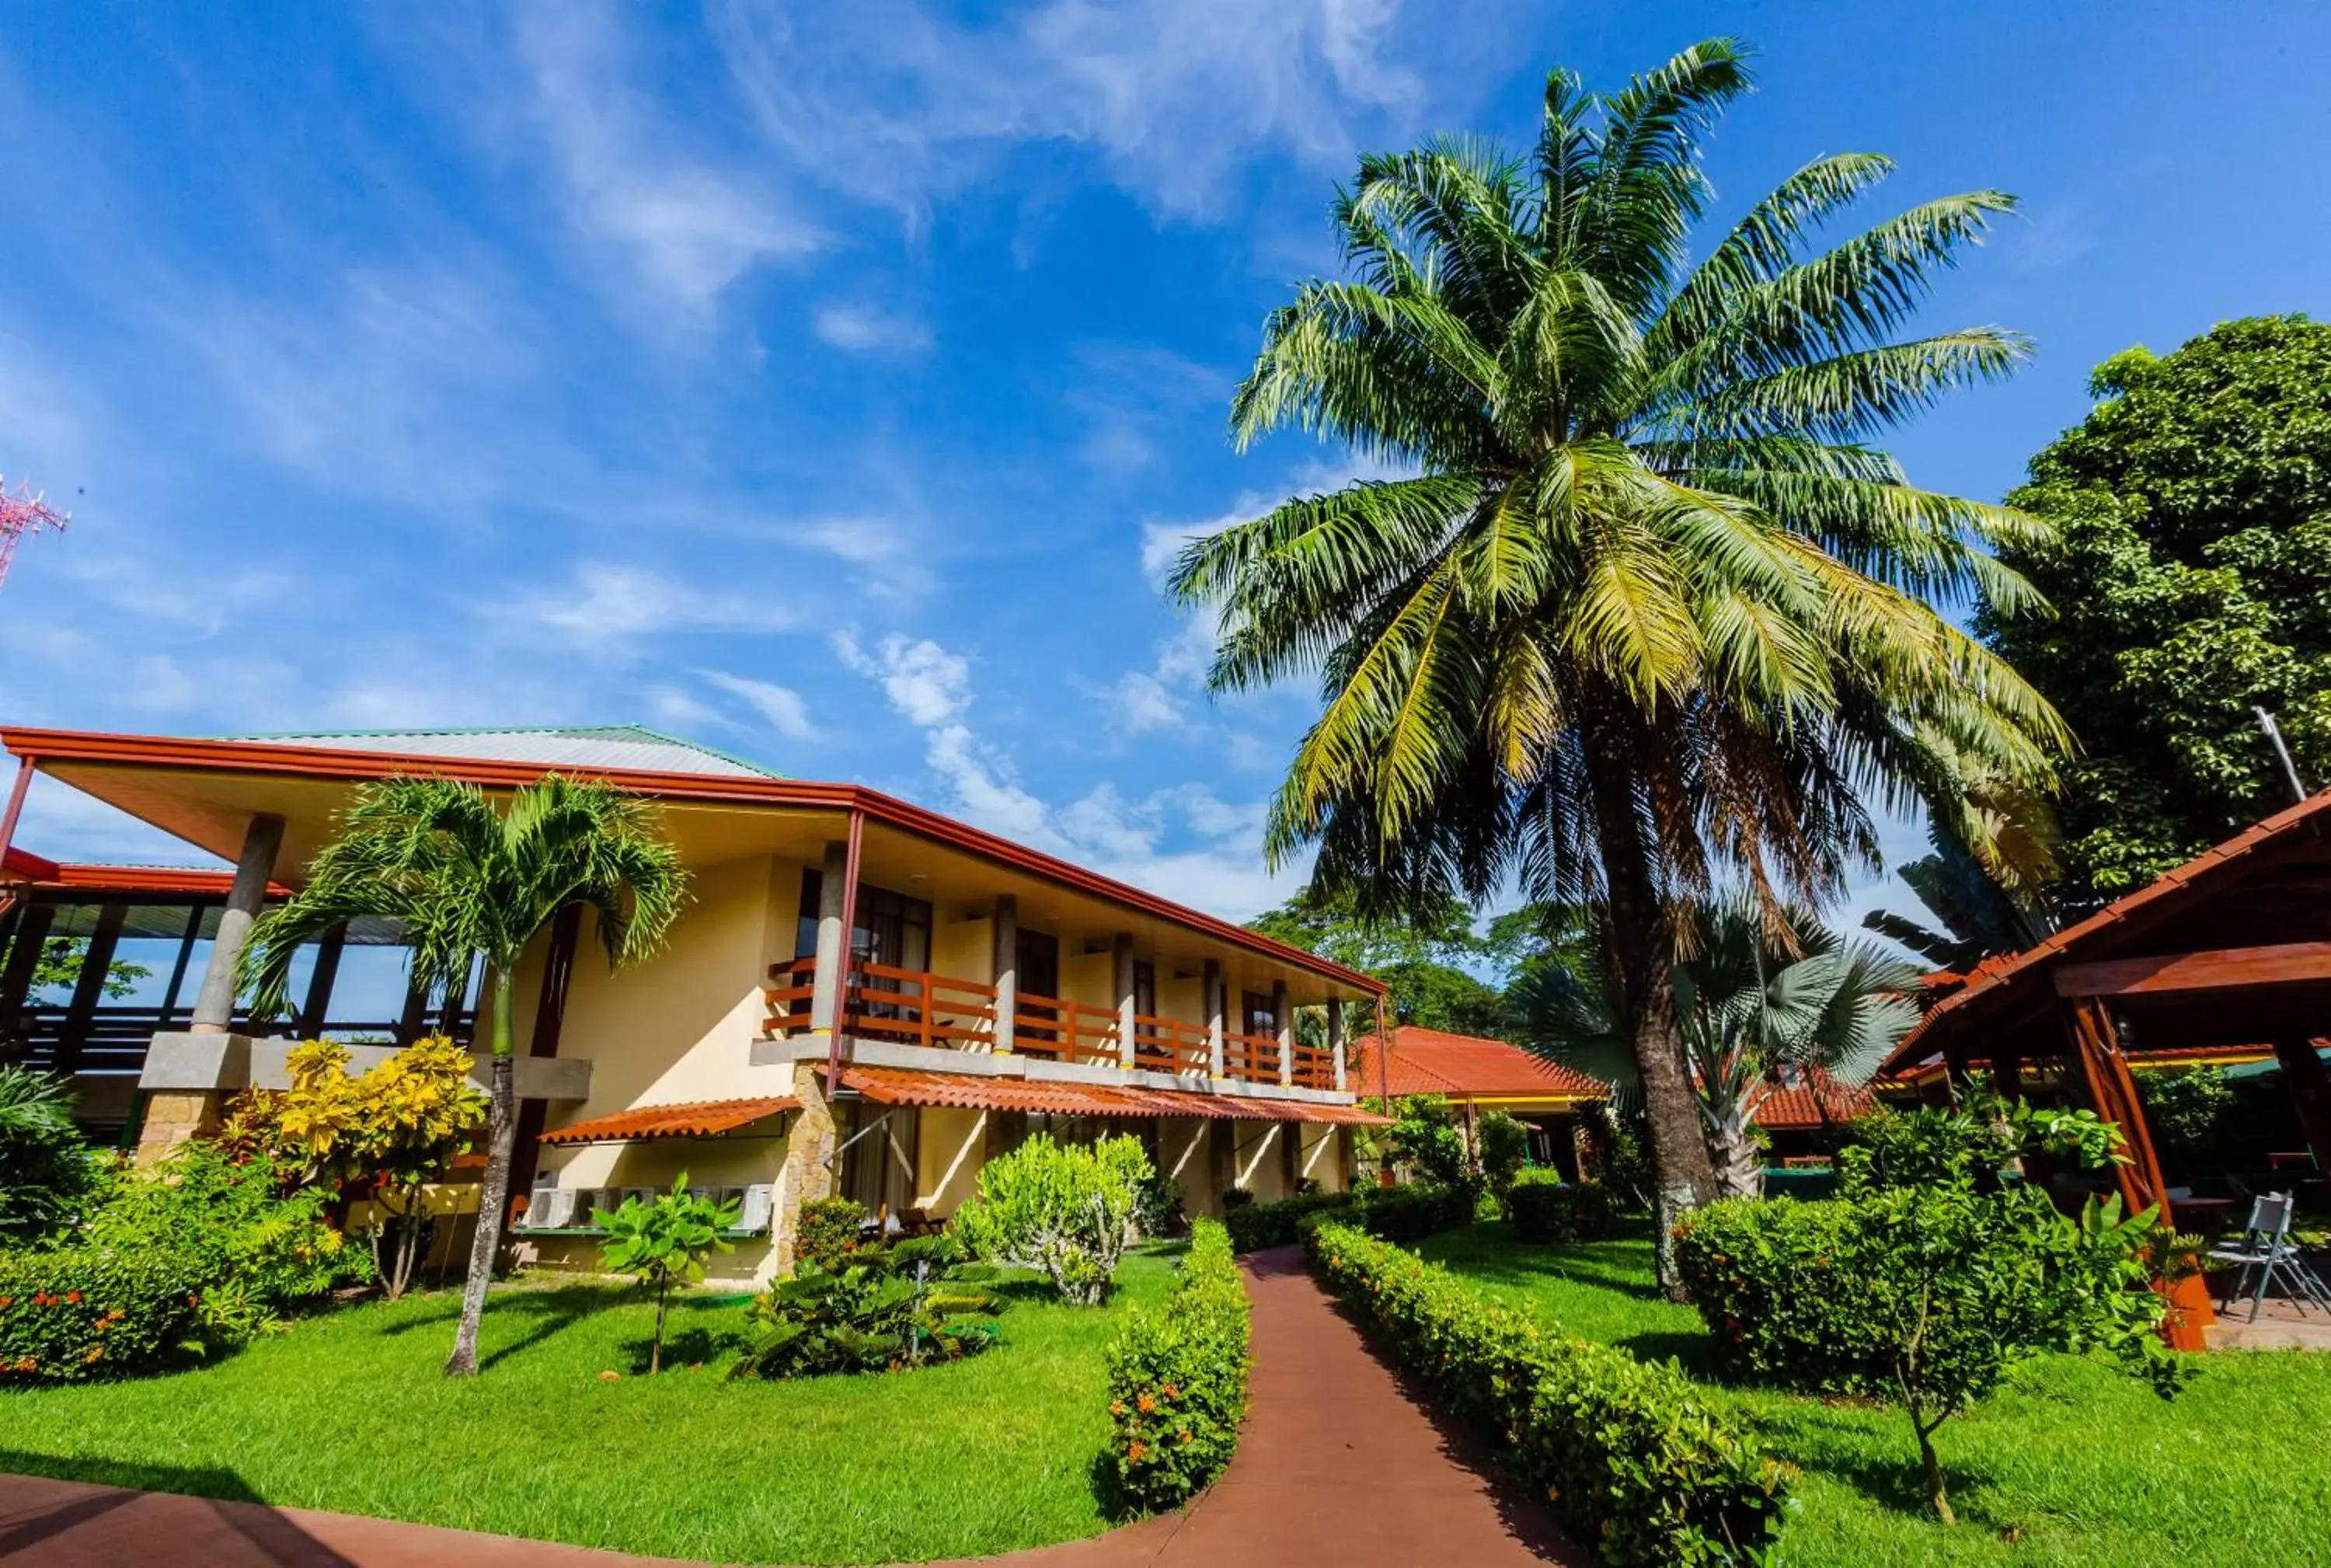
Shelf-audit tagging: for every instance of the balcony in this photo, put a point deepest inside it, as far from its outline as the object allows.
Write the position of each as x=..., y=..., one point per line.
x=910, y=1007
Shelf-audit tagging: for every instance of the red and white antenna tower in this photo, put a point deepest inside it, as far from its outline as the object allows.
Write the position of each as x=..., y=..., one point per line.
x=22, y=514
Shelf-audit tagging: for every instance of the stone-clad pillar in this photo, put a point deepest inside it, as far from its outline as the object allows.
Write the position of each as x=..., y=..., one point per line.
x=809, y=1146
x=1336, y=1038
x=187, y=1076
x=1284, y=1027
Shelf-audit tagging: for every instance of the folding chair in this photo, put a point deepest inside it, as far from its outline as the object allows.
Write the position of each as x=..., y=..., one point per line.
x=2267, y=1251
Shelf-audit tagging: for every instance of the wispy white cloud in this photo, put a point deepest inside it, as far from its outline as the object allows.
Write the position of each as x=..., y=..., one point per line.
x=780, y=706
x=688, y=224
x=609, y=602
x=865, y=328
x=927, y=685
x=891, y=102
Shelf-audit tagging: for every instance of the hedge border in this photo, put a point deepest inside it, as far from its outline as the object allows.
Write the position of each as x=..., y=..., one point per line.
x=1627, y=1454
x=1177, y=1381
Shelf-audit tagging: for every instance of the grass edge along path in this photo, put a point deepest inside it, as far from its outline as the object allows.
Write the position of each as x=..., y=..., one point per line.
x=2071, y=1465
x=348, y=1411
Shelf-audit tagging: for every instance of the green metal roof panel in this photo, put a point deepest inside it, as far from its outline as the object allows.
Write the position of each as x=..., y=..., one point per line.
x=582, y=747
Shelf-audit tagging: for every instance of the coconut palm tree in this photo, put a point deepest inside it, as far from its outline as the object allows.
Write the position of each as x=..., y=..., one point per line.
x=471, y=881
x=1758, y=1003
x=1653, y=607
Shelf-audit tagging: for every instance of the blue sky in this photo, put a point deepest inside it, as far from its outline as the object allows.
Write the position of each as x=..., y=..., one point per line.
x=829, y=382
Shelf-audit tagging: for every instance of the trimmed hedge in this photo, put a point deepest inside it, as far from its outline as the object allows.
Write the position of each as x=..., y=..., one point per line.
x=1397, y=1213
x=1547, y=1210
x=1177, y=1381
x=1628, y=1456
x=83, y=1313
x=1763, y=1276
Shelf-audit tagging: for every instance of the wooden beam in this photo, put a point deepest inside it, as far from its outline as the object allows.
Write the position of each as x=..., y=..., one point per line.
x=2112, y=1094
x=2216, y=969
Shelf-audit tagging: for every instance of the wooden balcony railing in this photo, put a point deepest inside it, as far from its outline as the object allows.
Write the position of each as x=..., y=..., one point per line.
x=1169, y=1045
x=1064, y=1030
x=916, y=1007
x=1314, y=1068
x=909, y=1006
x=1252, y=1057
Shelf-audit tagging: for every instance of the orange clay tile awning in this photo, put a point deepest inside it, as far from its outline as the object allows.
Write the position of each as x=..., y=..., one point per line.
x=972, y=1091
x=697, y=1120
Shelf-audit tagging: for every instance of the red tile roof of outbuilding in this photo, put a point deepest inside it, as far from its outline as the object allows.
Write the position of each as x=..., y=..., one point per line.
x=1462, y=1065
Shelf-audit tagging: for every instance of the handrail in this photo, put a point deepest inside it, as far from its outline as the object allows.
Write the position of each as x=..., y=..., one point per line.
x=1314, y=1068
x=1170, y=1045
x=1252, y=1057
x=1064, y=1030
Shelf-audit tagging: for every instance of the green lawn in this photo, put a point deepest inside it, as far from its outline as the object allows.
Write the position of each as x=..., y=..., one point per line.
x=348, y=1411
x=2072, y=1464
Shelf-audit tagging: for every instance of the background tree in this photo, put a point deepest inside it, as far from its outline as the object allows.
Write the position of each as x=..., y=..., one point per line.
x=2191, y=541
x=1655, y=607
x=471, y=881
x=1759, y=1002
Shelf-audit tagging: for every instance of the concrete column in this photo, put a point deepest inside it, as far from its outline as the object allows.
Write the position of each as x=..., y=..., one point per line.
x=1284, y=1027
x=214, y=1002
x=1213, y=987
x=1336, y=1038
x=809, y=1146
x=1006, y=969
x=1123, y=953
x=825, y=979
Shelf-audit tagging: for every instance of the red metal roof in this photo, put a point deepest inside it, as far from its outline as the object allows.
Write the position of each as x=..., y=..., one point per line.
x=695, y=1119
x=1797, y=1107
x=341, y=762
x=1464, y=1065
x=976, y=1092
x=1994, y=977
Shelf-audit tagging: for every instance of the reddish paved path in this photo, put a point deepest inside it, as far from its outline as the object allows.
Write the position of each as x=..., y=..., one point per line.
x=1338, y=1464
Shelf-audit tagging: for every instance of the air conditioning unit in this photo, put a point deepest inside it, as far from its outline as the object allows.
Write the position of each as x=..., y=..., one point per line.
x=759, y=1199
x=644, y=1195
x=708, y=1194
x=553, y=1209
x=587, y=1199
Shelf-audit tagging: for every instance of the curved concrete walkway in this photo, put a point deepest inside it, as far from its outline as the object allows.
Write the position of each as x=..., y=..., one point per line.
x=1338, y=1463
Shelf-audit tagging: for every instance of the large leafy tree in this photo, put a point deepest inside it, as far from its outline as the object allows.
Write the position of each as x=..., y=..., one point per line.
x=1442, y=967
x=1655, y=610
x=471, y=880
x=2187, y=567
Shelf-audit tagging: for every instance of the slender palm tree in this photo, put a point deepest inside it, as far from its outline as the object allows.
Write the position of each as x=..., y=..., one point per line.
x=1758, y=1003
x=1653, y=608
x=470, y=882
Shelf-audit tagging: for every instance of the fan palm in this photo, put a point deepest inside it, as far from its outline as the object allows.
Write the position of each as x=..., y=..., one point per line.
x=1987, y=882
x=472, y=882
x=1758, y=1002
x=1653, y=607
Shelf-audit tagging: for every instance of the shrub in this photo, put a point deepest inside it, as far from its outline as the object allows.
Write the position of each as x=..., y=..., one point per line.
x=244, y=1233
x=1065, y=1210
x=1177, y=1381
x=1545, y=1209
x=1627, y=1454
x=1252, y=1226
x=829, y=1231
x=45, y=1167
x=1400, y=1213
x=1925, y=1294
x=1236, y=1198
x=81, y=1312
x=1158, y=1206
x=1410, y=1213
x=662, y=1241
x=886, y=1307
x=1501, y=1141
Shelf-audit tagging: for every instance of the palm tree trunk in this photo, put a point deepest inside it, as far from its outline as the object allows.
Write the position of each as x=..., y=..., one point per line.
x=493, y=1195
x=1643, y=946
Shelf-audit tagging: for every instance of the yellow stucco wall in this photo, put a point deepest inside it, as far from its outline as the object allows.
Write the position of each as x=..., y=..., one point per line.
x=678, y=1028
x=953, y=1144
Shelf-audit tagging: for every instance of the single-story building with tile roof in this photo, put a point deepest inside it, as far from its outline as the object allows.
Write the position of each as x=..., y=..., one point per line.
x=1478, y=1074
x=988, y=990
